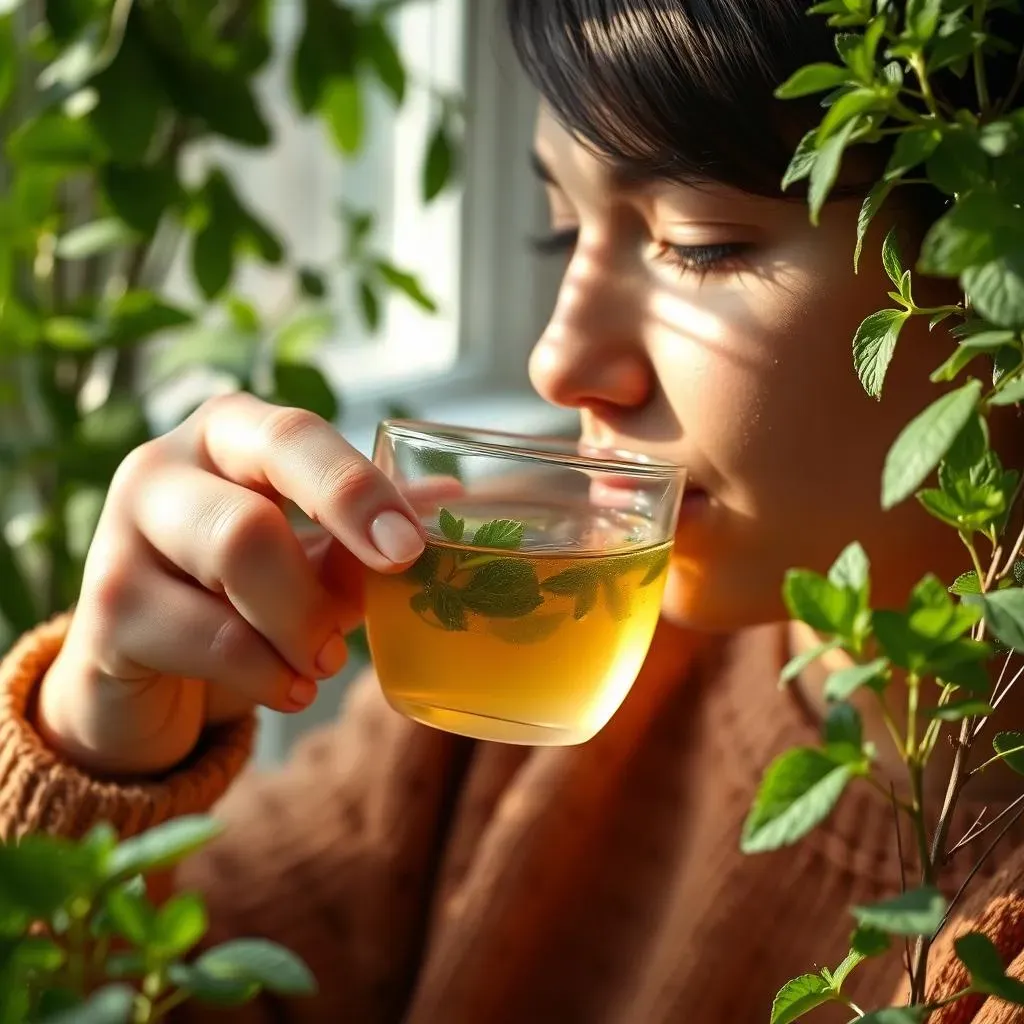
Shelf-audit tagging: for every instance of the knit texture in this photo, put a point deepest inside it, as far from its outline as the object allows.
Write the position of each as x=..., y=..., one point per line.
x=428, y=879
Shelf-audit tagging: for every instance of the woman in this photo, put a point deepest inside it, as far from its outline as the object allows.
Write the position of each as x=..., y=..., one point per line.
x=430, y=879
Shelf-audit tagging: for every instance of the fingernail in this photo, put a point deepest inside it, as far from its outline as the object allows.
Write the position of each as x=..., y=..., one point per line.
x=333, y=656
x=396, y=538
x=302, y=693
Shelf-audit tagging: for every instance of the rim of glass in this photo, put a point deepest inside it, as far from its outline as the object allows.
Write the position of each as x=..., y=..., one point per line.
x=507, y=445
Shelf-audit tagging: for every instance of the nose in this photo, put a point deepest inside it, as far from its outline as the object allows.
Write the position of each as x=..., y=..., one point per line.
x=592, y=354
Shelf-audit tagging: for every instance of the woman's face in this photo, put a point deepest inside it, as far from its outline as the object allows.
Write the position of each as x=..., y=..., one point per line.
x=712, y=328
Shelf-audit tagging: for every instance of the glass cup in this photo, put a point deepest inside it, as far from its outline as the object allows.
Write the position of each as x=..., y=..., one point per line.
x=530, y=613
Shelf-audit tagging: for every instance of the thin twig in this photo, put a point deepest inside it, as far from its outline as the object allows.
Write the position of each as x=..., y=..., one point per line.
x=970, y=833
x=903, y=870
x=970, y=837
x=977, y=867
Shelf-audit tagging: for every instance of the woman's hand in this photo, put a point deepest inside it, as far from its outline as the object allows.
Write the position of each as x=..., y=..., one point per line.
x=200, y=601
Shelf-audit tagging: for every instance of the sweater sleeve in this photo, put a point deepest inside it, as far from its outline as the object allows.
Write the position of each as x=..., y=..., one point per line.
x=39, y=792
x=334, y=856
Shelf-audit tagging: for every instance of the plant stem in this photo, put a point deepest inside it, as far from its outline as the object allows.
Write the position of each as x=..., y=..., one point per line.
x=917, y=63
x=851, y=1004
x=980, y=81
x=992, y=760
x=164, y=1007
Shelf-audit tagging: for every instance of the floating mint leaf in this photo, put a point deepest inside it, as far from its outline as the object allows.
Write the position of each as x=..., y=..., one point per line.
x=454, y=529
x=868, y=941
x=507, y=588
x=988, y=972
x=420, y=602
x=446, y=603
x=659, y=559
x=506, y=534
x=800, y=996
x=915, y=912
x=574, y=580
x=1010, y=746
x=425, y=569
x=585, y=601
x=615, y=600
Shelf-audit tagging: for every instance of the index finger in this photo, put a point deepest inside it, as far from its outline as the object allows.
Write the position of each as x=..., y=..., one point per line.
x=303, y=458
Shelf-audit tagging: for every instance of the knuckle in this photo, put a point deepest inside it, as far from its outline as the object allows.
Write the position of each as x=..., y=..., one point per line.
x=351, y=481
x=240, y=529
x=233, y=645
x=282, y=426
x=137, y=465
x=112, y=589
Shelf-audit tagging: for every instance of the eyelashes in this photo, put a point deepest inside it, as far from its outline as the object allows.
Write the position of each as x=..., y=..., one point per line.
x=701, y=259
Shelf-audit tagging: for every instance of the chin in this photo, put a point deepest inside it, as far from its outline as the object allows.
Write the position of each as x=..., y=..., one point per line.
x=699, y=598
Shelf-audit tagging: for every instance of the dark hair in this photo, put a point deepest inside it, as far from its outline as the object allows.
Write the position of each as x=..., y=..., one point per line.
x=677, y=88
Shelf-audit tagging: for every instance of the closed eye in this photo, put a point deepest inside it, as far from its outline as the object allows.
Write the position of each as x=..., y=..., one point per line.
x=563, y=241
x=703, y=259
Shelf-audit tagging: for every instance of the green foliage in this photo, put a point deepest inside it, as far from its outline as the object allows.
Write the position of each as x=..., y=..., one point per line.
x=61, y=904
x=104, y=106
x=898, y=66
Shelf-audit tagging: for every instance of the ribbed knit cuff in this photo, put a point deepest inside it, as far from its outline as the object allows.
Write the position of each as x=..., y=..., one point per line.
x=40, y=792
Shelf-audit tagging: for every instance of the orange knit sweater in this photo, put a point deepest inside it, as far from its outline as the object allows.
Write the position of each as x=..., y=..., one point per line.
x=428, y=879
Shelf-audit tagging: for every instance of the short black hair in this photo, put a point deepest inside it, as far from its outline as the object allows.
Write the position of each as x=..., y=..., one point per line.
x=681, y=89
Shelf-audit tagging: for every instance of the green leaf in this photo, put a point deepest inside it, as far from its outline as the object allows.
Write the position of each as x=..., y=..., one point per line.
x=326, y=50
x=799, y=791
x=8, y=60
x=17, y=603
x=891, y=259
x=304, y=335
x=141, y=196
x=925, y=440
x=305, y=387
x=843, y=684
x=850, y=105
x=923, y=19
x=55, y=140
x=851, y=569
x=820, y=603
x=132, y=914
x=507, y=588
x=795, y=666
x=979, y=227
x=800, y=996
x=967, y=350
x=131, y=964
x=369, y=304
x=447, y=605
x=40, y=874
x=843, y=725
x=870, y=941
x=212, y=988
x=826, y=167
x=180, y=924
x=852, y=960
x=112, y=1004
x=914, y=912
x=957, y=710
x=1010, y=745
x=379, y=48
x=913, y=147
x=454, y=529
x=137, y=315
x=996, y=289
x=958, y=164
x=90, y=239
x=874, y=345
x=425, y=569
x=163, y=846
x=439, y=165
x=1004, y=614
x=213, y=258
x=803, y=159
x=311, y=283
x=505, y=534
x=268, y=965
x=896, y=1015
x=36, y=953
x=873, y=202
x=966, y=583
x=1011, y=394
x=406, y=283
x=343, y=109
x=988, y=973
x=811, y=79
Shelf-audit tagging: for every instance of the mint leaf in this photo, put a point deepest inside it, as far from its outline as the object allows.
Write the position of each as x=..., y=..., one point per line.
x=969, y=349
x=988, y=973
x=180, y=924
x=925, y=440
x=966, y=583
x=585, y=601
x=446, y=604
x=1004, y=613
x=843, y=684
x=798, y=791
x=262, y=963
x=111, y=1004
x=826, y=167
x=799, y=662
x=851, y=569
x=873, y=202
x=996, y=289
x=504, y=589
x=811, y=79
x=424, y=570
x=852, y=960
x=531, y=630
x=868, y=941
x=843, y=726
x=800, y=996
x=874, y=345
x=1011, y=394
x=897, y=1015
x=162, y=846
x=803, y=159
x=819, y=602
x=915, y=912
x=454, y=529
x=573, y=580
x=615, y=600
x=506, y=534
x=957, y=710
x=1010, y=745
x=657, y=562
x=891, y=258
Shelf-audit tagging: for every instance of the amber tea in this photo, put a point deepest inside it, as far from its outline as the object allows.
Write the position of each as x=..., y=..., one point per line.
x=520, y=623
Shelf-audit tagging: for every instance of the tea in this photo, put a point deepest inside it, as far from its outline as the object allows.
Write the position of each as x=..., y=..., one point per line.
x=521, y=624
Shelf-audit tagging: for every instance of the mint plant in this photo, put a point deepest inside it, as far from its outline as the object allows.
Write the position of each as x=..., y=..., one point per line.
x=936, y=80
x=80, y=942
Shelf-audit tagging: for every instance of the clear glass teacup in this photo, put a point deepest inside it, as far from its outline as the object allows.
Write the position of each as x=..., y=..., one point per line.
x=531, y=611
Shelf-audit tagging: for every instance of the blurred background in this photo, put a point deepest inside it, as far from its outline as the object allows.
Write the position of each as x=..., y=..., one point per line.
x=326, y=203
